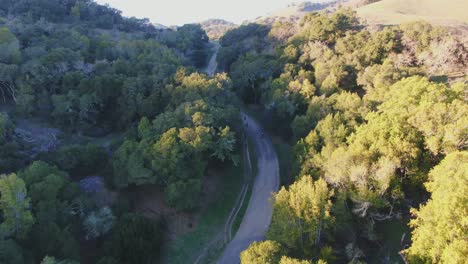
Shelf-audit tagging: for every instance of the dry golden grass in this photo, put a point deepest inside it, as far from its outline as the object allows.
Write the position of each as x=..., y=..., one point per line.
x=439, y=12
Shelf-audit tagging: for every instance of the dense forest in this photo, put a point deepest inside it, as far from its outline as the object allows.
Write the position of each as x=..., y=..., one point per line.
x=89, y=71
x=376, y=120
x=379, y=134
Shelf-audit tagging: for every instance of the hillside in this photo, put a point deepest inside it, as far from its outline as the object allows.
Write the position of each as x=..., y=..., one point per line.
x=295, y=11
x=88, y=100
x=377, y=116
x=390, y=12
x=215, y=28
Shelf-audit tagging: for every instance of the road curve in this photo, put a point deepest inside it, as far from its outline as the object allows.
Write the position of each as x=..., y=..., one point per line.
x=257, y=217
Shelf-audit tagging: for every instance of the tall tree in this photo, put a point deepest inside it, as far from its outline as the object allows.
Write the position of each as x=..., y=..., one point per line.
x=265, y=252
x=301, y=214
x=441, y=225
x=15, y=206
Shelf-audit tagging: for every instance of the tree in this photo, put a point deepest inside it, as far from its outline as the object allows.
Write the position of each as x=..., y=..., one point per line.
x=136, y=239
x=281, y=31
x=6, y=128
x=80, y=160
x=376, y=79
x=15, y=206
x=184, y=194
x=251, y=76
x=418, y=35
x=322, y=27
x=57, y=205
x=45, y=182
x=11, y=252
x=301, y=214
x=225, y=145
x=10, y=55
x=440, y=227
x=99, y=223
x=9, y=47
x=52, y=260
x=129, y=166
x=266, y=252
x=288, y=260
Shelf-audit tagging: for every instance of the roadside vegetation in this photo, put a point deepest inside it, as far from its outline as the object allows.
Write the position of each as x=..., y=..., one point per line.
x=118, y=106
x=369, y=117
x=102, y=115
x=212, y=219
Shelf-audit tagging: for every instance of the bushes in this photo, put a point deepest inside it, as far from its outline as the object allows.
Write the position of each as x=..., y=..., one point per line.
x=80, y=160
x=136, y=239
x=10, y=252
x=262, y=252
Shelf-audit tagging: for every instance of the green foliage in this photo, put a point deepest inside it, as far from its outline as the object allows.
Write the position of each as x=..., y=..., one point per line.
x=268, y=252
x=98, y=223
x=327, y=28
x=9, y=47
x=184, y=194
x=436, y=110
x=288, y=260
x=363, y=48
x=136, y=239
x=301, y=214
x=368, y=159
x=192, y=40
x=364, y=131
x=128, y=166
x=56, y=204
x=224, y=146
x=251, y=75
x=420, y=34
x=11, y=252
x=85, y=77
x=439, y=228
x=174, y=149
x=290, y=93
x=80, y=160
x=6, y=128
x=239, y=41
x=52, y=260
x=15, y=207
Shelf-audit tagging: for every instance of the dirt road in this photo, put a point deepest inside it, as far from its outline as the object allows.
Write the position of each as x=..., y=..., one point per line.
x=257, y=217
x=213, y=64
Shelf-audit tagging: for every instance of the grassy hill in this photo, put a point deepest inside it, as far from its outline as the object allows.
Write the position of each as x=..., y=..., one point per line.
x=295, y=11
x=387, y=12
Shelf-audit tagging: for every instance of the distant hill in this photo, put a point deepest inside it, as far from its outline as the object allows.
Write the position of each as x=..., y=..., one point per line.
x=215, y=28
x=159, y=26
x=295, y=11
x=439, y=12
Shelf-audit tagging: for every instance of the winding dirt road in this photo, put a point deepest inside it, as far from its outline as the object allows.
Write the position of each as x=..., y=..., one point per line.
x=257, y=217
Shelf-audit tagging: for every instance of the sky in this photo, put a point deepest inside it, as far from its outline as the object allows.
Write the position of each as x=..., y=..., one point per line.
x=179, y=12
